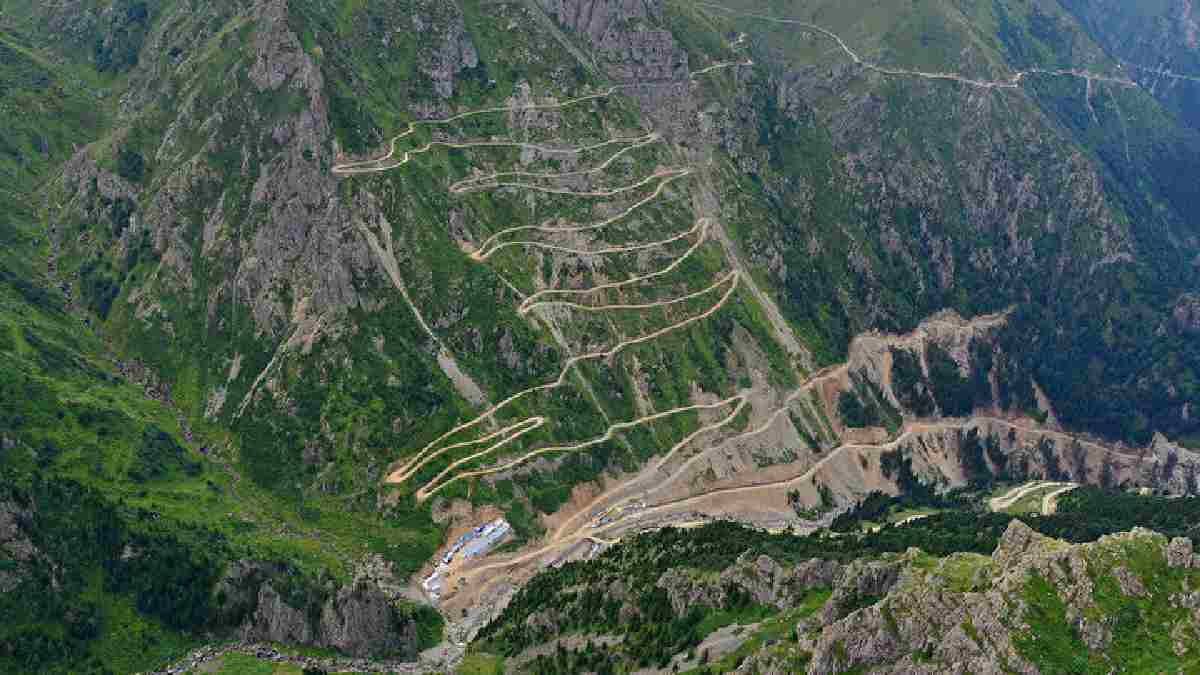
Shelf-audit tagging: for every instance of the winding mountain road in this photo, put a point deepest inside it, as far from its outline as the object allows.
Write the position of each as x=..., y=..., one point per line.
x=489, y=245
x=536, y=300
x=1012, y=82
x=432, y=451
x=1015, y=495
x=626, y=248
x=505, y=436
x=386, y=163
x=1050, y=501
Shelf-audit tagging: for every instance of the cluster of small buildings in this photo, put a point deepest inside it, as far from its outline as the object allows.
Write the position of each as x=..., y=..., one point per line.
x=473, y=543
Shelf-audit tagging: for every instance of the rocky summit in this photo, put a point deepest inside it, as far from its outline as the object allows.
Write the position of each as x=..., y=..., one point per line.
x=601, y=336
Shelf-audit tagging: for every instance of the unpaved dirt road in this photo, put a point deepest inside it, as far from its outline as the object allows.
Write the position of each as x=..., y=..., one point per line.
x=1012, y=82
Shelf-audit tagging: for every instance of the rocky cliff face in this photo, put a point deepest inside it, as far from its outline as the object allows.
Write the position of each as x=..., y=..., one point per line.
x=277, y=234
x=454, y=51
x=631, y=46
x=984, y=625
x=1187, y=314
x=904, y=193
x=262, y=603
x=976, y=614
x=951, y=454
x=762, y=579
x=227, y=203
x=597, y=20
x=17, y=546
x=295, y=208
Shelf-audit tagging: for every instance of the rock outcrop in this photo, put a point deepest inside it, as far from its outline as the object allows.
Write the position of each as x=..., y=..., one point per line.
x=625, y=34
x=1186, y=315
x=971, y=614
x=454, y=51
x=597, y=20
x=965, y=613
x=15, y=545
x=266, y=602
x=761, y=579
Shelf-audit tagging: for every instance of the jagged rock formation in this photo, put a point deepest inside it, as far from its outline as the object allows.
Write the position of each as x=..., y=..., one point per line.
x=598, y=19
x=16, y=545
x=969, y=614
x=974, y=614
x=1187, y=314
x=357, y=619
x=455, y=52
x=762, y=579
x=629, y=44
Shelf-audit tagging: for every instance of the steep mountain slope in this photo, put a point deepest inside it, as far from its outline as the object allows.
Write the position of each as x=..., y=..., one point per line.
x=1159, y=44
x=408, y=267
x=122, y=542
x=982, y=593
x=1054, y=215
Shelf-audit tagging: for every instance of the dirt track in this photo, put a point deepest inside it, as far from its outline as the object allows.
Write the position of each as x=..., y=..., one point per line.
x=1013, y=82
x=511, y=433
x=1049, y=500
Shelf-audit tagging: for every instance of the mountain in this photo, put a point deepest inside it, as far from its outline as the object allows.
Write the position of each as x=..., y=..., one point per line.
x=724, y=599
x=299, y=295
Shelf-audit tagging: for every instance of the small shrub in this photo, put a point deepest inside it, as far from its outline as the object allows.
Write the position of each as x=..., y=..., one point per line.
x=131, y=165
